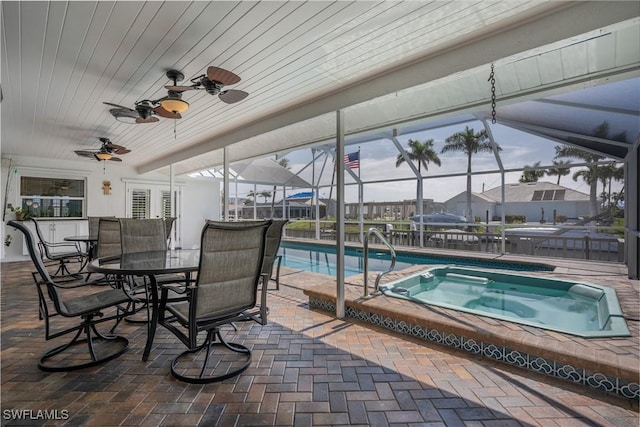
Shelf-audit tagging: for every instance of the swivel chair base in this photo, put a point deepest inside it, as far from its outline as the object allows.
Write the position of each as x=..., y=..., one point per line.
x=69, y=357
x=224, y=366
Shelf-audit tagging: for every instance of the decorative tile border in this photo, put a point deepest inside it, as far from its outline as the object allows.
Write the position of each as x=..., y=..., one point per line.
x=541, y=365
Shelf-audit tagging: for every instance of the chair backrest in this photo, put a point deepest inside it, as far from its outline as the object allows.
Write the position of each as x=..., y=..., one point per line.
x=31, y=247
x=44, y=244
x=94, y=222
x=39, y=231
x=40, y=268
x=168, y=226
x=274, y=237
x=230, y=267
x=142, y=235
x=108, y=237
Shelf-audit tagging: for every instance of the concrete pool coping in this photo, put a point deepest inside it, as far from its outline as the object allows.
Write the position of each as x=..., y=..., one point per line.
x=578, y=359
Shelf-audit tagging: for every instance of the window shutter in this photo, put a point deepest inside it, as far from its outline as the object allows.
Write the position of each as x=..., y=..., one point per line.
x=140, y=203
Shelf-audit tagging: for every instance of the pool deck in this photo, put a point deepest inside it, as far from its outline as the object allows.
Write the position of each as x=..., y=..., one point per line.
x=617, y=358
x=308, y=369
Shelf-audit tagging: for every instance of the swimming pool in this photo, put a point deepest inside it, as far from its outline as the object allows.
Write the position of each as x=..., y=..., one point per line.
x=322, y=259
x=576, y=308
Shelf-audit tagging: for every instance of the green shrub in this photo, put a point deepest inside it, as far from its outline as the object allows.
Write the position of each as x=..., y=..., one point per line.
x=515, y=219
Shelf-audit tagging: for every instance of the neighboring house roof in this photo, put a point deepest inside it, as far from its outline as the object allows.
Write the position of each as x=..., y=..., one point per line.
x=535, y=191
x=480, y=196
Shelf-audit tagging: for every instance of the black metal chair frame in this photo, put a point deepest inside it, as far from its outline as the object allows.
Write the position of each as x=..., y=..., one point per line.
x=61, y=259
x=194, y=325
x=92, y=309
x=271, y=257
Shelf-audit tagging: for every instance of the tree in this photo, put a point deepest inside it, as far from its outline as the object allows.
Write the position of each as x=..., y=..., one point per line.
x=265, y=194
x=561, y=169
x=607, y=174
x=531, y=174
x=591, y=174
x=469, y=143
x=588, y=175
x=421, y=152
x=284, y=162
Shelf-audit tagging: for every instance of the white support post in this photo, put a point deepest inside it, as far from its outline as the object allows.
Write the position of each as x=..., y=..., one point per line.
x=225, y=185
x=340, y=214
x=496, y=153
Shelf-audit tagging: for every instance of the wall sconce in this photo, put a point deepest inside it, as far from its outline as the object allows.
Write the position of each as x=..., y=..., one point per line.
x=106, y=188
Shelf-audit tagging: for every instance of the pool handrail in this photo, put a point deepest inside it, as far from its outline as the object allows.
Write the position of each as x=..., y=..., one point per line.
x=392, y=252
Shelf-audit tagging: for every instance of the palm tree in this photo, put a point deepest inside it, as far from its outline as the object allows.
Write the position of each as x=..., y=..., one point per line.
x=265, y=194
x=284, y=162
x=531, y=174
x=422, y=152
x=561, y=169
x=469, y=143
x=607, y=174
x=589, y=175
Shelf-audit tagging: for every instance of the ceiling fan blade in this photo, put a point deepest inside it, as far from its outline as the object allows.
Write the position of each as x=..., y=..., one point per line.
x=115, y=159
x=180, y=88
x=223, y=76
x=117, y=149
x=84, y=153
x=119, y=106
x=231, y=96
x=150, y=119
x=166, y=114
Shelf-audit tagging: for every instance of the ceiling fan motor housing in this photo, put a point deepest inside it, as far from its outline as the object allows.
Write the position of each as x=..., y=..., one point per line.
x=212, y=87
x=144, y=108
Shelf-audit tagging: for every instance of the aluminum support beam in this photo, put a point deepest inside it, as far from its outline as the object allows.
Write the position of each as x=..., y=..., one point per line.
x=340, y=215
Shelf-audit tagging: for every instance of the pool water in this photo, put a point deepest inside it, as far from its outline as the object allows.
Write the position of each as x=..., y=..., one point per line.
x=322, y=259
x=576, y=308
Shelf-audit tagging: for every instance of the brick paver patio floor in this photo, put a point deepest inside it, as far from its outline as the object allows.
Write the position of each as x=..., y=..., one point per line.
x=308, y=369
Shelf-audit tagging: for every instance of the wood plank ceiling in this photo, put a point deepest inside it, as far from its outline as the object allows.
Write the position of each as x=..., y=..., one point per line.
x=62, y=60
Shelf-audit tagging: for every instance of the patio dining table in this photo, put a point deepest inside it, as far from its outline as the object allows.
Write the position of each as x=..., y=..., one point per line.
x=149, y=264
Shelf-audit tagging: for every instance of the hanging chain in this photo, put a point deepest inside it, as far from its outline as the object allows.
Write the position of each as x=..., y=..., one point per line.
x=492, y=79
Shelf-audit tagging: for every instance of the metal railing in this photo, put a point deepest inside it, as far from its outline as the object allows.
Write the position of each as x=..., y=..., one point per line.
x=392, y=252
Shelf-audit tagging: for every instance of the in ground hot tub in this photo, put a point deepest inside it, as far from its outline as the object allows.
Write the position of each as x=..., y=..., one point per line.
x=576, y=308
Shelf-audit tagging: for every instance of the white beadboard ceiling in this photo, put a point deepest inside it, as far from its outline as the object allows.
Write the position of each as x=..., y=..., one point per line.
x=298, y=61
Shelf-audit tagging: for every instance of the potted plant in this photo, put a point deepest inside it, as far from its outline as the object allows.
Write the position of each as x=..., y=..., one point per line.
x=21, y=214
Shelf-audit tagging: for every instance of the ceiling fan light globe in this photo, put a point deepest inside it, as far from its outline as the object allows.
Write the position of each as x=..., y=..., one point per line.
x=174, y=105
x=104, y=156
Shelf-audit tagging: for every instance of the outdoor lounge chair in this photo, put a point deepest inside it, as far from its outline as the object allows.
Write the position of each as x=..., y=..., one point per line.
x=225, y=291
x=82, y=302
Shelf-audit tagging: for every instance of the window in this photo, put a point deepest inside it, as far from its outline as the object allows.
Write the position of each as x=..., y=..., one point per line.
x=52, y=197
x=140, y=203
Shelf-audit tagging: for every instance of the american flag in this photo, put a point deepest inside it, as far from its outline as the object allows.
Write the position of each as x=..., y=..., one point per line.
x=352, y=160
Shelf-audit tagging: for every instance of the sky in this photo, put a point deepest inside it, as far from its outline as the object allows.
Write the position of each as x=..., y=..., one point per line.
x=378, y=158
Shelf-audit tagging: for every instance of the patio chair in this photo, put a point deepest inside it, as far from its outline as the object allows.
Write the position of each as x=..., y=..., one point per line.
x=271, y=257
x=144, y=235
x=225, y=291
x=168, y=226
x=61, y=253
x=80, y=302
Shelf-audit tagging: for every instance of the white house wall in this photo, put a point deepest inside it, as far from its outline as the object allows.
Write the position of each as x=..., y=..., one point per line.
x=200, y=199
x=533, y=210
